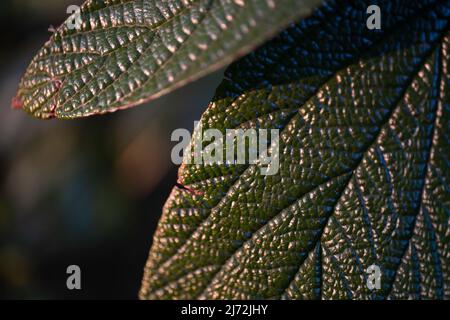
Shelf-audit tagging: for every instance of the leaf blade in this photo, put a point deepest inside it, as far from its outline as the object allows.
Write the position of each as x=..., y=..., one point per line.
x=129, y=52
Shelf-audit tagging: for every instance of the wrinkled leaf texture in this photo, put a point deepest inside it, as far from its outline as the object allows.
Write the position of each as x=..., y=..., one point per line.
x=364, y=158
x=129, y=52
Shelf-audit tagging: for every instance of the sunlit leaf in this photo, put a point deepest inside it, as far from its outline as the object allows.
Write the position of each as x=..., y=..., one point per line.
x=129, y=52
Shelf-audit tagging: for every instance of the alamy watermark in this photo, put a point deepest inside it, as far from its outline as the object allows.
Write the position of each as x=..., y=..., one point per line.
x=73, y=281
x=373, y=281
x=234, y=146
x=74, y=21
x=374, y=20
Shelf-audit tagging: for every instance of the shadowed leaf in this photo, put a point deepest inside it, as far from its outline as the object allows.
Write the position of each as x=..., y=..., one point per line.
x=364, y=167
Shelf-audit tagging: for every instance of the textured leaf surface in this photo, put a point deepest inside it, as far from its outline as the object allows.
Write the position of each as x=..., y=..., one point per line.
x=128, y=52
x=364, y=167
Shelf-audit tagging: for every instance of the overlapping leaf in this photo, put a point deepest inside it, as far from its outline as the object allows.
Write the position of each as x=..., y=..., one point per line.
x=364, y=167
x=127, y=52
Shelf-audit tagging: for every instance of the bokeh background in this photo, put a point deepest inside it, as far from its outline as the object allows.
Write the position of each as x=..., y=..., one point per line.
x=87, y=192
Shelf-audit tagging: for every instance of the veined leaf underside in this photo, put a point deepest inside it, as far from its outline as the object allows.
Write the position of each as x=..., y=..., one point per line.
x=363, y=178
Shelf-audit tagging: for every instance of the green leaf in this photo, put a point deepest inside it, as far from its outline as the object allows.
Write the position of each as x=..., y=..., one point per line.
x=364, y=167
x=129, y=52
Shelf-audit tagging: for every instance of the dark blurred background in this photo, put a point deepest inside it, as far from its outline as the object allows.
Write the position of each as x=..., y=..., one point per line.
x=87, y=192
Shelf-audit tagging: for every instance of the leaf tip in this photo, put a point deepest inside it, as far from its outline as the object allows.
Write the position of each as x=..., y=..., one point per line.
x=16, y=103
